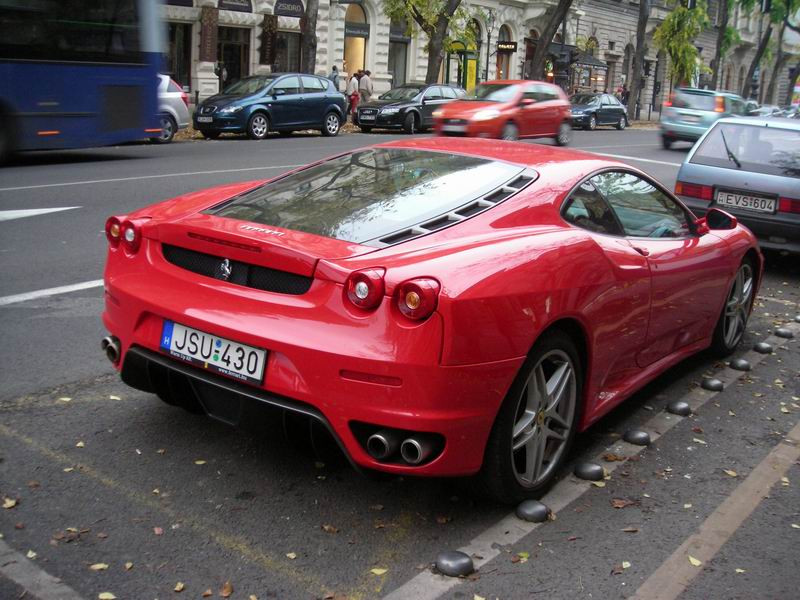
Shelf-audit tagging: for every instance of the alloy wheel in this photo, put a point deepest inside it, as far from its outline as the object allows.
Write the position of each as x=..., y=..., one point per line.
x=544, y=416
x=592, y=123
x=167, y=130
x=332, y=124
x=259, y=126
x=564, y=134
x=737, y=306
x=623, y=122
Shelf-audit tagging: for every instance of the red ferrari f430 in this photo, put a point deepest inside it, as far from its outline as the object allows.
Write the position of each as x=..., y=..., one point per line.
x=443, y=307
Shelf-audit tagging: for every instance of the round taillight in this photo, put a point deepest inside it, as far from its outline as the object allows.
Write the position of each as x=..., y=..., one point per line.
x=417, y=298
x=131, y=235
x=113, y=231
x=365, y=288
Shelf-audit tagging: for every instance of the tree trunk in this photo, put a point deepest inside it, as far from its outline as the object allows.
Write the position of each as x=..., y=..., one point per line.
x=780, y=61
x=638, y=59
x=540, y=53
x=723, y=26
x=762, y=45
x=794, y=74
x=309, y=37
x=435, y=54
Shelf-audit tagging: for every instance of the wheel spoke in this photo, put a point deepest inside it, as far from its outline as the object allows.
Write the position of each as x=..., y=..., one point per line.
x=557, y=384
x=534, y=456
x=524, y=439
x=527, y=419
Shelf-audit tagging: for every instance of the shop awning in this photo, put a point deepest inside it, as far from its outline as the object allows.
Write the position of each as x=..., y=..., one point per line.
x=587, y=60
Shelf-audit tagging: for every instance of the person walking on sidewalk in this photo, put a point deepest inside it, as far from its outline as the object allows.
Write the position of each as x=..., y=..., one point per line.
x=365, y=86
x=352, y=93
x=334, y=77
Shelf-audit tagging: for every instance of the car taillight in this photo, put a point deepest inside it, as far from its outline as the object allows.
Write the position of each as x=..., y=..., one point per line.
x=417, y=298
x=131, y=234
x=113, y=231
x=670, y=100
x=184, y=95
x=720, y=104
x=365, y=288
x=694, y=190
x=789, y=205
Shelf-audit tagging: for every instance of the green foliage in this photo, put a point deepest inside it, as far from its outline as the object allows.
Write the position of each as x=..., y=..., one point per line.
x=731, y=39
x=586, y=44
x=426, y=14
x=676, y=35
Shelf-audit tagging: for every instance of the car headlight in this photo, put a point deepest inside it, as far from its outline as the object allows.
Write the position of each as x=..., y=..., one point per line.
x=438, y=113
x=230, y=109
x=390, y=111
x=486, y=114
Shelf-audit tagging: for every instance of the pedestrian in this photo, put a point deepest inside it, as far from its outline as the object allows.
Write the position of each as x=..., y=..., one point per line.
x=625, y=95
x=334, y=77
x=351, y=91
x=365, y=86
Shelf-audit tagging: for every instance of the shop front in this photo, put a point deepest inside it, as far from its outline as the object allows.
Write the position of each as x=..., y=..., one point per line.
x=288, y=38
x=505, y=51
x=356, y=38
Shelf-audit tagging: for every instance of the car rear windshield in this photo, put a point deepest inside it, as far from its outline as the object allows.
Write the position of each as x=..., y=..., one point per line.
x=245, y=87
x=370, y=193
x=754, y=148
x=698, y=101
x=493, y=92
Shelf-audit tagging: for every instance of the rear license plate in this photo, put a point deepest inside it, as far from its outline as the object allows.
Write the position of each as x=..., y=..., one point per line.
x=213, y=353
x=366, y=117
x=205, y=119
x=690, y=118
x=746, y=201
x=454, y=128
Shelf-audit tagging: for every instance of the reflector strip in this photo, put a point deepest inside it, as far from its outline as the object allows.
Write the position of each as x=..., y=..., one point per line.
x=48, y=132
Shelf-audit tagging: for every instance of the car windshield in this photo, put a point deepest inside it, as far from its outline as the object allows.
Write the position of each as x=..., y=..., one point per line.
x=698, y=101
x=584, y=99
x=370, y=193
x=493, y=92
x=758, y=149
x=401, y=93
x=247, y=86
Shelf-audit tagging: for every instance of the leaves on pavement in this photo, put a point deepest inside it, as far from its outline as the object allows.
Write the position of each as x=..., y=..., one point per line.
x=291, y=555
x=98, y=567
x=106, y=596
x=621, y=502
x=128, y=566
x=695, y=562
x=330, y=528
x=31, y=554
x=730, y=472
x=227, y=589
x=158, y=530
x=9, y=503
x=378, y=571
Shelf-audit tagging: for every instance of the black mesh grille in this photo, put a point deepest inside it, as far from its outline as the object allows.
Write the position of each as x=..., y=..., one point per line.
x=254, y=276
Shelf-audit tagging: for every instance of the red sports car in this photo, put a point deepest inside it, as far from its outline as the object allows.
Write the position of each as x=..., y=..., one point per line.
x=444, y=307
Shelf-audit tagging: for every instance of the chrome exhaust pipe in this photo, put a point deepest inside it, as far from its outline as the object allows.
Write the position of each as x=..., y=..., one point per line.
x=415, y=450
x=383, y=444
x=110, y=345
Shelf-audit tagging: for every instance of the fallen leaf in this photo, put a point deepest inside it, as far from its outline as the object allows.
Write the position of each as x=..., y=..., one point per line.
x=252, y=597
x=106, y=596
x=730, y=472
x=631, y=530
x=179, y=587
x=699, y=441
x=617, y=570
x=9, y=503
x=33, y=484
x=441, y=519
x=64, y=399
x=694, y=561
x=99, y=567
x=795, y=526
x=69, y=470
x=161, y=450
x=378, y=571
x=731, y=413
x=156, y=491
x=784, y=481
x=19, y=526
x=291, y=555
x=626, y=564
x=697, y=429
x=476, y=597
x=330, y=529
x=523, y=556
x=227, y=589
x=31, y=554
x=80, y=445
x=207, y=593
x=621, y=502
x=687, y=505
x=112, y=397
x=611, y=457
x=599, y=484
x=102, y=536
x=158, y=531
x=785, y=410
x=128, y=566
x=740, y=571
x=199, y=462
x=138, y=451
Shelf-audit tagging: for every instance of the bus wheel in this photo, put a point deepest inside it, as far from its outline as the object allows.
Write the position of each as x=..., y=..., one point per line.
x=168, y=129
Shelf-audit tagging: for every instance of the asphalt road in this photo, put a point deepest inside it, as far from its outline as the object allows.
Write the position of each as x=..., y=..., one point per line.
x=104, y=474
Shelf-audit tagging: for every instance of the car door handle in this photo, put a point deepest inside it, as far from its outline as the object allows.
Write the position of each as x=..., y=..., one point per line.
x=642, y=251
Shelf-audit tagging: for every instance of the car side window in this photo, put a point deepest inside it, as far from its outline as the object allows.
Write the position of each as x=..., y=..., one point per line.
x=434, y=93
x=449, y=93
x=607, y=100
x=545, y=92
x=530, y=93
x=312, y=84
x=587, y=209
x=289, y=85
x=642, y=209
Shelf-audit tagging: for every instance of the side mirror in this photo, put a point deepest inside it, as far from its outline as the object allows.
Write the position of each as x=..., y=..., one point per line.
x=278, y=92
x=719, y=219
x=527, y=102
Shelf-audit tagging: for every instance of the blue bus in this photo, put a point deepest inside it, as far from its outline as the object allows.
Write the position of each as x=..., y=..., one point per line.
x=77, y=73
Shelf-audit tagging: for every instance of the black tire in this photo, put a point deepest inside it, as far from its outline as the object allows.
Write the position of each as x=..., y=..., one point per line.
x=210, y=135
x=564, y=135
x=365, y=128
x=258, y=126
x=592, y=124
x=168, y=130
x=510, y=132
x=410, y=123
x=331, y=124
x=6, y=139
x=732, y=322
x=499, y=478
x=622, y=123
x=666, y=142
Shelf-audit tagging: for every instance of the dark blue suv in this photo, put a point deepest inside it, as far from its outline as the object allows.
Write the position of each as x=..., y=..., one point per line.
x=279, y=102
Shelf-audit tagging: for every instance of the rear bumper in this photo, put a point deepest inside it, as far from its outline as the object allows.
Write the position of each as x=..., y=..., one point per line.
x=486, y=129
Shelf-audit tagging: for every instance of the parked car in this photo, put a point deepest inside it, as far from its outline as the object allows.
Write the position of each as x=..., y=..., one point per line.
x=750, y=167
x=690, y=112
x=443, y=307
x=767, y=110
x=282, y=102
x=409, y=107
x=591, y=110
x=173, y=109
x=508, y=110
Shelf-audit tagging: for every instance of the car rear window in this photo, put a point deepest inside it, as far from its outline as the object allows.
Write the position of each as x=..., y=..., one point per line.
x=757, y=148
x=698, y=101
x=370, y=193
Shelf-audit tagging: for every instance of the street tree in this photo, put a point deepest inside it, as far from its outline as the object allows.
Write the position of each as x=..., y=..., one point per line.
x=309, y=37
x=676, y=35
x=443, y=21
x=638, y=58
x=784, y=11
x=727, y=38
x=540, y=53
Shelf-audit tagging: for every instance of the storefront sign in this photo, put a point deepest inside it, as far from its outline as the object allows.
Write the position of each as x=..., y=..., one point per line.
x=209, y=19
x=240, y=5
x=289, y=8
x=269, y=28
x=356, y=29
x=506, y=46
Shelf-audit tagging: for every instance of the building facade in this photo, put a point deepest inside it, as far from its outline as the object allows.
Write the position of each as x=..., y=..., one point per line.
x=212, y=43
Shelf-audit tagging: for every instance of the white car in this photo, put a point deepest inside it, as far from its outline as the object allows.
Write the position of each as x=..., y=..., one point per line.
x=173, y=109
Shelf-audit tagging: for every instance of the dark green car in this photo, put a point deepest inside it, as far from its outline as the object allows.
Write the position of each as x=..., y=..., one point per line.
x=690, y=112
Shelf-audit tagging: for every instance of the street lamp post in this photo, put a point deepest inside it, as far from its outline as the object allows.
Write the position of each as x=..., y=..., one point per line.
x=490, y=19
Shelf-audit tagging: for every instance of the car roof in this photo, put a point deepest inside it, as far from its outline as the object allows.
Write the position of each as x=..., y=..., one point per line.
x=768, y=122
x=702, y=92
x=515, y=81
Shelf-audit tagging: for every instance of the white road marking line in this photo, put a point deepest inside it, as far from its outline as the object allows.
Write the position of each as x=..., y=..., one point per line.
x=509, y=530
x=64, y=289
x=675, y=574
x=94, y=181
x=9, y=215
x=35, y=581
x=646, y=160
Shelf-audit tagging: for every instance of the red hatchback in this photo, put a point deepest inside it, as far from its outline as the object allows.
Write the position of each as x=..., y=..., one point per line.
x=509, y=110
x=442, y=307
